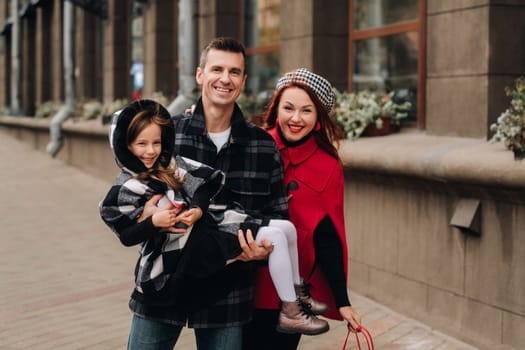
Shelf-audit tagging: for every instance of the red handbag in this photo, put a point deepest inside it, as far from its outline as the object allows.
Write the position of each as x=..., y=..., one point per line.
x=365, y=333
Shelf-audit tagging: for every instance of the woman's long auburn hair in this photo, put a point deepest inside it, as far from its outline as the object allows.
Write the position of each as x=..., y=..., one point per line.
x=329, y=133
x=164, y=174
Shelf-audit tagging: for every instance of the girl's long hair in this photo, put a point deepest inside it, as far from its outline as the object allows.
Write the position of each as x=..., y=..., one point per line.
x=329, y=134
x=168, y=174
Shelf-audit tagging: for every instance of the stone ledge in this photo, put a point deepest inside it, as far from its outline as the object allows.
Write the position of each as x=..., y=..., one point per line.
x=409, y=153
x=437, y=158
x=73, y=126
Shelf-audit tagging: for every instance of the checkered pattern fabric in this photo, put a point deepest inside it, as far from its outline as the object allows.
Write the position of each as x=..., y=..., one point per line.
x=124, y=203
x=319, y=85
x=254, y=180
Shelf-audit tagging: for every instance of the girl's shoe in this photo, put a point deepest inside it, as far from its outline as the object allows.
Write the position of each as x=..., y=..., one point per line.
x=303, y=292
x=296, y=317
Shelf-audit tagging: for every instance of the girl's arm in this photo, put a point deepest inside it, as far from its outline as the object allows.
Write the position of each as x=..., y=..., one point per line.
x=138, y=232
x=122, y=210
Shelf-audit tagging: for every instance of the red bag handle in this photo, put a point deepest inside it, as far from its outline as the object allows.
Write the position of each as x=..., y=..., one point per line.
x=366, y=335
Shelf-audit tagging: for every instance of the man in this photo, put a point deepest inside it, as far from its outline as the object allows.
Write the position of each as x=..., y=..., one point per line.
x=217, y=134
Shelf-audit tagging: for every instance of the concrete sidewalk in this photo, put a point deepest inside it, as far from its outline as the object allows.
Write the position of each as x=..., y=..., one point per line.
x=65, y=278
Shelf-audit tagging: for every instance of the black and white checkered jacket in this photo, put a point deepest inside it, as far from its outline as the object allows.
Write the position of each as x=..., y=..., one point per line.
x=124, y=203
x=160, y=252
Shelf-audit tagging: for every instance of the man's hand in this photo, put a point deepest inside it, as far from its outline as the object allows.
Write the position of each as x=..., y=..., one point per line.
x=251, y=251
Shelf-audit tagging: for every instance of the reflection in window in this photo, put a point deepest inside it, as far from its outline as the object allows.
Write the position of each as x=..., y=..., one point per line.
x=377, y=13
x=261, y=38
x=388, y=63
x=137, y=63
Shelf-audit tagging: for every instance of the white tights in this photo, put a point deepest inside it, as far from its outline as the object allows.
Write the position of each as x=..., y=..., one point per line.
x=283, y=261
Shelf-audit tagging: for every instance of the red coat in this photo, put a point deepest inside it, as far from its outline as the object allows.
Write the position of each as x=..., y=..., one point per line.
x=320, y=192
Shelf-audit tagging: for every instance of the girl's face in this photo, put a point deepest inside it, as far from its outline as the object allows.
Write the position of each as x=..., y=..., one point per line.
x=296, y=114
x=147, y=145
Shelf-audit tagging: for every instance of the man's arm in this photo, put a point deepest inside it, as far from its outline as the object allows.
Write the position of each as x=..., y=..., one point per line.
x=276, y=208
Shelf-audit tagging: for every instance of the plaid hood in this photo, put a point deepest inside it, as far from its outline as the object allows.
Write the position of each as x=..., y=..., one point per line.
x=118, y=130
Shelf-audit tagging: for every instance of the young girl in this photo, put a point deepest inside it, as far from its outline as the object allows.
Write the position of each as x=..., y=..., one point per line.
x=141, y=137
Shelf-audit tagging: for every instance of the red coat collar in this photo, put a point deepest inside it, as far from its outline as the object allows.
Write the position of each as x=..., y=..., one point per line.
x=295, y=155
x=308, y=173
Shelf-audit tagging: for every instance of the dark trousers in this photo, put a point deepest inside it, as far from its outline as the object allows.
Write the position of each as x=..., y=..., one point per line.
x=260, y=334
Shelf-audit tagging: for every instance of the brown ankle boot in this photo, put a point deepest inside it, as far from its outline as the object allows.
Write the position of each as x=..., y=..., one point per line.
x=303, y=292
x=296, y=317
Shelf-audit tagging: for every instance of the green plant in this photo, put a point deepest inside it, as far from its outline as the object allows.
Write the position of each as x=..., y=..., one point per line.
x=110, y=108
x=509, y=128
x=355, y=111
x=46, y=109
x=160, y=98
x=91, y=110
x=253, y=106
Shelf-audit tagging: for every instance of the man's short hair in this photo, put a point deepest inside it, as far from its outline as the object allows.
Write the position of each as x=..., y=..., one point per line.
x=223, y=44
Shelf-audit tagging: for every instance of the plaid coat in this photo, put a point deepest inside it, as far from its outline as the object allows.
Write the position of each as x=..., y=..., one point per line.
x=254, y=181
x=160, y=252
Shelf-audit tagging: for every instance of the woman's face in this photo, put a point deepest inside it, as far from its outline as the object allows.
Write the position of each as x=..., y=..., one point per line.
x=296, y=114
x=147, y=145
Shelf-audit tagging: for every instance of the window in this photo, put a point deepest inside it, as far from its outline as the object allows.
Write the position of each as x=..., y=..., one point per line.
x=137, y=43
x=261, y=38
x=387, y=50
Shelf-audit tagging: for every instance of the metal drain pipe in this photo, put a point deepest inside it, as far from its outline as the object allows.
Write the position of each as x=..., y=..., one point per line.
x=55, y=129
x=187, y=56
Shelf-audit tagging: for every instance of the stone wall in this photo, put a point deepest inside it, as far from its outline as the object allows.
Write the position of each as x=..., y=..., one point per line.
x=402, y=192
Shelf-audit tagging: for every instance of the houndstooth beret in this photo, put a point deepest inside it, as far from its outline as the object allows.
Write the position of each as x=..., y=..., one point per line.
x=319, y=85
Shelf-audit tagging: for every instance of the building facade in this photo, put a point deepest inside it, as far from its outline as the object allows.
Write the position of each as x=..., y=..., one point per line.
x=435, y=214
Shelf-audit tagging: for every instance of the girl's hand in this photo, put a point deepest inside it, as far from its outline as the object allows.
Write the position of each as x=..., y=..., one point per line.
x=150, y=207
x=352, y=317
x=165, y=218
x=190, y=216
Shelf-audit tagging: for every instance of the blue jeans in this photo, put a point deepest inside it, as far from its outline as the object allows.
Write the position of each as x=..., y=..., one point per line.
x=155, y=335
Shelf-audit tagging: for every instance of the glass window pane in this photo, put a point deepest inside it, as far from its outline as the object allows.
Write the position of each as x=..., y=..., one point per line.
x=377, y=13
x=261, y=37
x=263, y=72
x=261, y=22
x=388, y=64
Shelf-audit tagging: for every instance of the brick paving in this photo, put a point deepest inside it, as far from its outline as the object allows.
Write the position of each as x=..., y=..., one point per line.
x=65, y=279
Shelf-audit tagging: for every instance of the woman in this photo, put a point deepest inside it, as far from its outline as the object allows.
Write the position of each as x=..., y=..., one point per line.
x=298, y=119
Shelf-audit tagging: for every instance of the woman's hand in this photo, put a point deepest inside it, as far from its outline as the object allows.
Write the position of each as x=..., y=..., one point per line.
x=352, y=317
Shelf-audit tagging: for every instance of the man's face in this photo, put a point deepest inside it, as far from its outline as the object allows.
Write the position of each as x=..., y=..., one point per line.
x=222, y=78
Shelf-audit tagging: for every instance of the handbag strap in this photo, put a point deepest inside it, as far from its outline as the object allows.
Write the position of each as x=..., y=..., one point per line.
x=366, y=335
